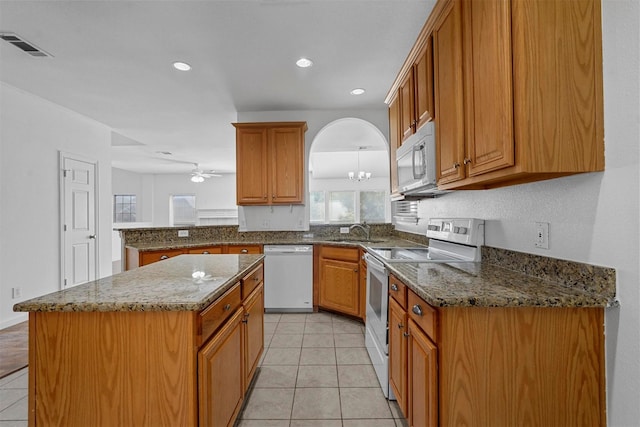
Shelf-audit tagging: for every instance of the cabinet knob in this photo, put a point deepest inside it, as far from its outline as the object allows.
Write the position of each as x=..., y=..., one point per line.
x=256, y=279
x=394, y=287
x=164, y=257
x=405, y=334
x=417, y=310
x=456, y=165
x=227, y=307
x=400, y=326
x=205, y=253
x=467, y=161
x=355, y=270
x=244, y=251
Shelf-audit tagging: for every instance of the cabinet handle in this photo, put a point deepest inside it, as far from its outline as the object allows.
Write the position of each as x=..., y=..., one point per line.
x=417, y=310
x=405, y=334
x=164, y=257
x=400, y=326
x=467, y=161
x=394, y=287
x=245, y=321
x=227, y=307
x=456, y=165
x=244, y=251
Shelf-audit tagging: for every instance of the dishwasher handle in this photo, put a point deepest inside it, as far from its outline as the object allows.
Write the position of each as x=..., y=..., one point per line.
x=374, y=263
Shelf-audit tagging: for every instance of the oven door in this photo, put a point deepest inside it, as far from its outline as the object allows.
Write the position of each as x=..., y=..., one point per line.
x=377, y=300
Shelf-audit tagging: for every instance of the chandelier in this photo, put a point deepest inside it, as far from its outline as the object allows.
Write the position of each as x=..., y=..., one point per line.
x=361, y=175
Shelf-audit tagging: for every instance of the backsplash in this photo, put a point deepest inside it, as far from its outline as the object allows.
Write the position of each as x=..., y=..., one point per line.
x=590, y=278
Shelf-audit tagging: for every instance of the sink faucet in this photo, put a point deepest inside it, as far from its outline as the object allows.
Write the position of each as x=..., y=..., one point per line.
x=364, y=227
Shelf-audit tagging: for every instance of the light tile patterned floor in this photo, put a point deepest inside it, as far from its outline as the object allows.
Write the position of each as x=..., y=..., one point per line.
x=315, y=372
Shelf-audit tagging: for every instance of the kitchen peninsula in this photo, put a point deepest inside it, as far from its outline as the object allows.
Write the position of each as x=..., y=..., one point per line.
x=172, y=343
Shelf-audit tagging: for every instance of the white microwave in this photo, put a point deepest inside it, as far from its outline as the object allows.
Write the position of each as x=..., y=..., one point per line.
x=416, y=163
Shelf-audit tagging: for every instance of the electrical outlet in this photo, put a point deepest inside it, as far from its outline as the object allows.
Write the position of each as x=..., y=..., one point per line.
x=183, y=233
x=344, y=230
x=16, y=293
x=541, y=239
x=307, y=236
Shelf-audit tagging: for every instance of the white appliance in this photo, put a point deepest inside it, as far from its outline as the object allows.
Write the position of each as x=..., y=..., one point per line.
x=288, y=278
x=416, y=163
x=451, y=240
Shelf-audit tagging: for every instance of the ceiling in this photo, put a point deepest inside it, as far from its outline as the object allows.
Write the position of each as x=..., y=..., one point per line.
x=111, y=61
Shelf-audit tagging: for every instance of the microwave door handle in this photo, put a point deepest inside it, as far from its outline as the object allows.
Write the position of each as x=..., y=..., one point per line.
x=418, y=150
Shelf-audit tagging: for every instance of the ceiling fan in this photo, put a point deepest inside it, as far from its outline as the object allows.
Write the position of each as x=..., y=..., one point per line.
x=199, y=175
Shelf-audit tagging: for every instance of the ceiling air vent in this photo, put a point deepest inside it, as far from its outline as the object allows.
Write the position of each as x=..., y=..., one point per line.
x=26, y=46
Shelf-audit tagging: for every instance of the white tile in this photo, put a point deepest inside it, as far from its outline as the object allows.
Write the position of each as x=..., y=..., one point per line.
x=317, y=376
x=286, y=340
x=16, y=412
x=282, y=356
x=318, y=356
x=363, y=403
x=10, y=396
x=316, y=403
x=318, y=340
x=269, y=404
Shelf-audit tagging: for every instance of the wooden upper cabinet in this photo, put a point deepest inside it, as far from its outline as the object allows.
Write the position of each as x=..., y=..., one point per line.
x=423, y=81
x=251, y=165
x=407, y=111
x=488, y=86
x=448, y=85
x=517, y=90
x=270, y=163
x=394, y=142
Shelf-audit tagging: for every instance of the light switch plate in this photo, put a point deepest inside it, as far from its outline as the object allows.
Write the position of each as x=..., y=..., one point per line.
x=541, y=239
x=344, y=230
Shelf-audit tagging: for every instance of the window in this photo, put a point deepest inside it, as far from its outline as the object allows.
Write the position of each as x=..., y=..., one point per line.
x=372, y=206
x=347, y=206
x=182, y=210
x=124, y=208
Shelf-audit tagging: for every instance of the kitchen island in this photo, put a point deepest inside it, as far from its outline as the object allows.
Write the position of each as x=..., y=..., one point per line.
x=172, y=343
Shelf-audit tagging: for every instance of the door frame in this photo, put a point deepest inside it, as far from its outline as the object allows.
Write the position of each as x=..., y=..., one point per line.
x=62, y=155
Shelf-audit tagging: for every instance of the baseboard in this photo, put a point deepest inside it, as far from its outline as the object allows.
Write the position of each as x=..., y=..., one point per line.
x=18, y=318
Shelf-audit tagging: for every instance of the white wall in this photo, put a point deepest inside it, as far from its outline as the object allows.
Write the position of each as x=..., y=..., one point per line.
x=32, y=132
x=594, y=218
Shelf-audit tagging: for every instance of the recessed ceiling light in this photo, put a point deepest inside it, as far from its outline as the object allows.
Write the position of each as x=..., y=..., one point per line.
x=357, y=91
x=304, y=62
x=182, y=66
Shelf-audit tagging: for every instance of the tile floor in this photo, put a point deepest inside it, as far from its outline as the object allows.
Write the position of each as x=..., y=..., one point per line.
x=315, y=372
x=13, y=399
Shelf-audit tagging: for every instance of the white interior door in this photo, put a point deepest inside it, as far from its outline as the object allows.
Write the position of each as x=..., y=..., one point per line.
x=79, y=221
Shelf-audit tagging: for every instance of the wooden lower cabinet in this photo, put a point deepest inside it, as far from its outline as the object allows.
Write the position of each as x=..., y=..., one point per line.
x=221, y=375
x=339, y=280
x=243, y=249
x=253, y=327
x=136, y=258
x=205, y=250
x=503, y=366
x=398, y=353
x=422, y=395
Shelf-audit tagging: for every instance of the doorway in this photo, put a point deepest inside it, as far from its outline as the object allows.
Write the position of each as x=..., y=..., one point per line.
x=79, y=249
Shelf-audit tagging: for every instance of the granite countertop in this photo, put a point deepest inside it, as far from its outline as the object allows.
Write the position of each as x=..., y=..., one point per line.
x=374, y=241
x=489, y=285
x=170, y=285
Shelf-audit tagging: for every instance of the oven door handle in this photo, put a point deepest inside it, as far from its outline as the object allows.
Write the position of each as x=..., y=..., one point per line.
x=374, y=263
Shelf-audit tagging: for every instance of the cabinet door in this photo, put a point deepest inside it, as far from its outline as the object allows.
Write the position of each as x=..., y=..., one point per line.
x=398, y=353
x=251, y=166
x=488, y=86
x=339, y=287
x=423, y=79
x=220, y=375
x=423, y=378
x=407, y=111
x=253, y=324
x=287, y=153
x=394, y=142
x=449, y=100
x=243, y=249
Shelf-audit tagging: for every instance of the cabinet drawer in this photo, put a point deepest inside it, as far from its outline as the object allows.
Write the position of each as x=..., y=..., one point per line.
x=341, y=253
x=252, y=280
x=206, y=250
x=244, y=249
x=154, y=256
x=398, y=291
x=423, y=314
x=215, y=314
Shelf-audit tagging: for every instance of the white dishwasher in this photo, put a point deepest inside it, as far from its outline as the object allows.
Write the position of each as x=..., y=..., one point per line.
x=288, y=278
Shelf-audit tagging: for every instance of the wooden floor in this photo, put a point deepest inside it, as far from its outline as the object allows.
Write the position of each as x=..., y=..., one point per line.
x=14, y=348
